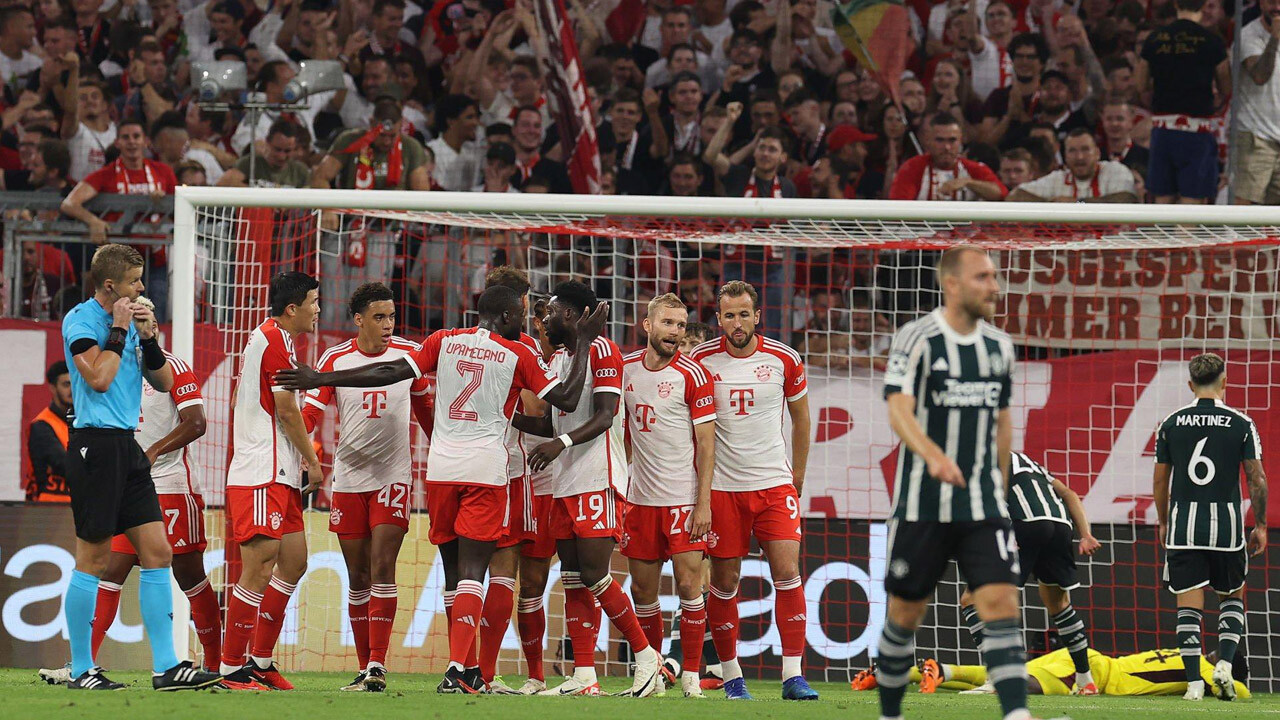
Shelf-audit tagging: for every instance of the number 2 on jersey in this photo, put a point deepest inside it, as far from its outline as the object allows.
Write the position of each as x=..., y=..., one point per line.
x=473, y=373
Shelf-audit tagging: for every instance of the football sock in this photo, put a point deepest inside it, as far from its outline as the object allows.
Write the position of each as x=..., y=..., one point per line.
x=531, y=622
x=650, y=619
x=270, y=620
x=579, y=609
x=495, y=618
x=155, y=601
x=970, y=615
x=897, y=655
x=722, y=616
x=104, y=612
x=78, y=607
x=382, y=618
x=1006, y=661
x=242, y=618
x=1071, y=632
x=207, y=617
x=617, y=606
x=789, y=613
x=358, y=614
x=468, y=603
x=1230, y=627
x=1189, y=620
x=693, y=622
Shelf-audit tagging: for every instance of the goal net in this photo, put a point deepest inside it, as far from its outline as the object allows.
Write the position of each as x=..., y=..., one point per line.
x=1105, y=305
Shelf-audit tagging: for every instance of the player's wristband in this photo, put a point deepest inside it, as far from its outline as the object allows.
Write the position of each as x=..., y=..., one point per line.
x=152, y=355
x=115, y=341
x=568, y=442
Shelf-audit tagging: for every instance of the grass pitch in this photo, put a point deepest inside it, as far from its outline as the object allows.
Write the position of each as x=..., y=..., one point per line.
x=23, y=695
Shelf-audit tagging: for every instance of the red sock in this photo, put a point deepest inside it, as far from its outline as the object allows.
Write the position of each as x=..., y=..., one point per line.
x=531, y=621
x=499, y=600
x=468, y=604
x=208, y=619
x=580, y=619
x=358, y=614
x=722, y=614
x=650, y=618
x=693, y=625
x=242, y=617
x=104, y=612
x=617, y=606
x=271, y=617
x=382, y=618
x=789, y=614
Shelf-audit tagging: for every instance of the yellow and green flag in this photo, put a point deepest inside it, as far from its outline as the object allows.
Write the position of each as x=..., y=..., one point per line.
x=877, y=33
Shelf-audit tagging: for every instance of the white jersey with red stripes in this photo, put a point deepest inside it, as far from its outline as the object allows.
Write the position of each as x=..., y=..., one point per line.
x=600, y=462
x=479, y=376
x=261, y=452
x=517, y=448
x=662, y=408
x=374, y=429
x=171, y=472
x=751, y=395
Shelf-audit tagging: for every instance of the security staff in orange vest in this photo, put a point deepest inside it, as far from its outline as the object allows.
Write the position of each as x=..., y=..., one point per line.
x=47, y=441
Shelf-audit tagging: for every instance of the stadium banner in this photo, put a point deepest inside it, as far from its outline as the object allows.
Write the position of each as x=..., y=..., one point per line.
x=1149, y=298
x=1088, y=418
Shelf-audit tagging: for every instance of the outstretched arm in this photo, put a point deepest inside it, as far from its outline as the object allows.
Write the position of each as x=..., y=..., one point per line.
x=605, y=406
x=375, y=375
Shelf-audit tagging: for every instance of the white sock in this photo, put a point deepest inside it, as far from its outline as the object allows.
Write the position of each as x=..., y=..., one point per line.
x=895, y=717
x=260, y=663
x=730, y=670
x=1084, y=678
x=1196, y=684
x=947, y=672
x=373, y=665
x=790, y=667
x=585, y=675
x=225, y=669
x=453, y=665
x=714, y=669
x=1019, y=714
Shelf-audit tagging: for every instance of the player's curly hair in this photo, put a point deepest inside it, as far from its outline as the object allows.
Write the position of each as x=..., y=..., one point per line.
x=575, y=294
x=367, y=294
x=510, y=277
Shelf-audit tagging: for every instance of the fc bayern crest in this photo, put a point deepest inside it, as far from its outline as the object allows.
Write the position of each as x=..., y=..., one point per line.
x=664, y=389
x=276, y=520
x=763, y=373
x=335, y=516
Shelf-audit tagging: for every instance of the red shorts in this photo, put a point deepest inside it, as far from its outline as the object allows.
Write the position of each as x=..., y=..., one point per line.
x=353, y=515
x=540, y=542
x=183, y=524
x=271, y=511
x=772, y=514
x=595, y=514
x=519, y=512
x=475, y=512
x=655, y=532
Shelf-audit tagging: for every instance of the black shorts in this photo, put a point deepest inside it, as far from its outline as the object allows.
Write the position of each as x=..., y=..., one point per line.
x=110, y=481
x=919, y=552
x=1222, y=570
x=1046, y=552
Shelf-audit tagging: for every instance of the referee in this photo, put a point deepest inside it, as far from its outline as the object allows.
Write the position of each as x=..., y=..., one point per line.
x=109, y=341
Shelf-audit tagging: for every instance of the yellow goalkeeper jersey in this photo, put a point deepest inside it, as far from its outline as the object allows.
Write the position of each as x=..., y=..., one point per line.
x=1155, y=672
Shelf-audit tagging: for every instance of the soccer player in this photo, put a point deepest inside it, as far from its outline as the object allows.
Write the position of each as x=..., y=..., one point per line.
x=590, y=494
x=1042, y=509
x=948, y=382
x=755, y=490
x=1199, y=452
x=671, y=410
x=264, y=487
x=110, y=344
x=480, y=372
x=371, y=473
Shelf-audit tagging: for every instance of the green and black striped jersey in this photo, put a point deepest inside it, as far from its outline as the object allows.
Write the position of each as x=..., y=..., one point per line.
x=1205, y=444
x=959, y=383
x=1031, y=494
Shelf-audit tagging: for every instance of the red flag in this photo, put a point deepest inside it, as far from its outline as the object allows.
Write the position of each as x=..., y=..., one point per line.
x=626, y=21
x=566, y=86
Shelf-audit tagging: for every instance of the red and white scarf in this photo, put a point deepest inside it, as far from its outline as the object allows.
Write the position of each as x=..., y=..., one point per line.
x=753, y=189
x=364, y=179
x=930, y=189
x=1074, y=184
x=122, y=178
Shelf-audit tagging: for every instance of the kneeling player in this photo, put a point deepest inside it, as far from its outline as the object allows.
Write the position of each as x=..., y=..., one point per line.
x=371, y=474
x=671, y=410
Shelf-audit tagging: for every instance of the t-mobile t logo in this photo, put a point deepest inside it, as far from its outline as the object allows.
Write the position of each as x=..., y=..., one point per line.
x=375, y=401
x=742, y=400
x=644, y=417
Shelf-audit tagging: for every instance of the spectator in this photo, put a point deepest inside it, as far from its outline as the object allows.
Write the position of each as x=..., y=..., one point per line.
x=1258, y=139
x=1085, y=81
x=190, y=173
x=131, y=174
x=95, y=32
x=850, y=176
x=844, y=113
x=38, y=286
x=747, y=73
x=1086, y=178
x=382, y=157
x=1016, y=167
x=1117, y=132
x=50, y=168
x=1183, y=62
x=684, y=176
x=374, y=82
x=385, y=23
x=951, y=94
x=805, y=117
x=47, y=435
x=171, y=145
x=272, y=79
x=87, y=128
x=683, y=124
x=989, y=64
x=1008, y=107
x=894, y=144
x=675, y=29
x=17, y=37
x=457, y=153
x=499, y=165
x=942, y=174
x=1000, y=25
x=1043, y=148
x=150, y=92
x=275, y=168
x=60, y=57
x=632, y=153
x=526, y=136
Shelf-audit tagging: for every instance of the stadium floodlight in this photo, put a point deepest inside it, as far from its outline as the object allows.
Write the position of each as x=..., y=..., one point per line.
x=212, y=79
x=314, y=77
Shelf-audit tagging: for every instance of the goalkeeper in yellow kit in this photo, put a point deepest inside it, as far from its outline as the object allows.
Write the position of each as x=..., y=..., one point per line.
x=1155, y=672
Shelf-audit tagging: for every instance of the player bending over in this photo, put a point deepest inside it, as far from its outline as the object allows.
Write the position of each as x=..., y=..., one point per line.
x=480, y=372
x=1199, y=452
x=590, y=490
x=1043, y=509
x=948, y=383
x=670, y=406
x=264, y=487
x=754, y=489
x=371, y=473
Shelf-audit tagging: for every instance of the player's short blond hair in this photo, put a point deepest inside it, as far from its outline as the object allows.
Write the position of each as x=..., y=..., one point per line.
x=145, y=302
x=738, y=288
x=669, y=300
x=112, y=261
x=949, y=263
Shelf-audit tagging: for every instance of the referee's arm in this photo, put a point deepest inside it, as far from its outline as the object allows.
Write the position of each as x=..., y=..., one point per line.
x=95, y=364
